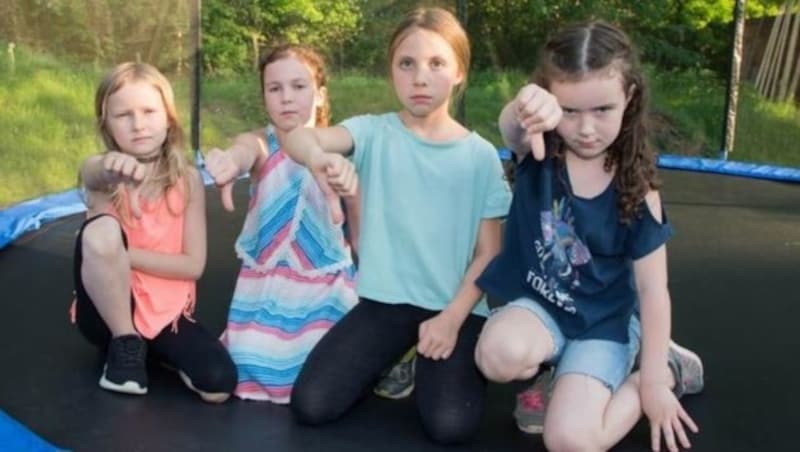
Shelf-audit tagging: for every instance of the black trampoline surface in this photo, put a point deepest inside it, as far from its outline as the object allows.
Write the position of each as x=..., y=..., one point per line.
x=732, y=268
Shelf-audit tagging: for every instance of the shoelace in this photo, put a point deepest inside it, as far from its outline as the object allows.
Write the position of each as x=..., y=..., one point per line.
x=532, y=399
x=400, y=372
x=132, y=353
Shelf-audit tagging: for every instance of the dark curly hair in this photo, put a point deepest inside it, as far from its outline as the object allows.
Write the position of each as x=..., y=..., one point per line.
x=593, y=46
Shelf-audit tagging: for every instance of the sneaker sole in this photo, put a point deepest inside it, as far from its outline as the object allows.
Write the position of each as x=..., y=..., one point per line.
x=694, y=366
x=210, y=397
x=531, y=429
x=400, y=395
x=129, y=387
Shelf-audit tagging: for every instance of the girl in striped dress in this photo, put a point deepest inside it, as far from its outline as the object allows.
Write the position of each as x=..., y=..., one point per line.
x=297, y=275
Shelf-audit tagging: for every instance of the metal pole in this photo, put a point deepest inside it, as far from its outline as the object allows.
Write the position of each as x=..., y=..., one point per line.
x=732, y=98
x=461, y=107
x=197, y=72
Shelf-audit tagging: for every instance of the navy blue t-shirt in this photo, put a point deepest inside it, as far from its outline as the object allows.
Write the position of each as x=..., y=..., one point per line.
x=571, y=254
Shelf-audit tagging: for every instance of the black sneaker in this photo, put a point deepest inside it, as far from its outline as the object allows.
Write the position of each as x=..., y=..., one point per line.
x=125, y=365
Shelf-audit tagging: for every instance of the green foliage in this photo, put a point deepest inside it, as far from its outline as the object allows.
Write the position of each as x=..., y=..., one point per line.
x=64, y=46
x=101, y=32
x=46, y=112
x=235, y=31
x=674, y=34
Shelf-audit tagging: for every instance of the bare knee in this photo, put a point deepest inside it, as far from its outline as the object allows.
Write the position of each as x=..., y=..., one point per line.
x=503, y=359
x=568, y=438
x=102, y=239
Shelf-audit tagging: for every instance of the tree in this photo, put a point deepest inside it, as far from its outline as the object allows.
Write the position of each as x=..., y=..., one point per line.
x=234, y=31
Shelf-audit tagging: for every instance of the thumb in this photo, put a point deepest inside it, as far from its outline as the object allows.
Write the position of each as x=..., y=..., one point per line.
x=133, y=199
x=537, y=146
x=227, y=196
x=333, y=200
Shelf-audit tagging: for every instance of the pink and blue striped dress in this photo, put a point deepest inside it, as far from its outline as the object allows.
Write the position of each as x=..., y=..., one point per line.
x=297, y=278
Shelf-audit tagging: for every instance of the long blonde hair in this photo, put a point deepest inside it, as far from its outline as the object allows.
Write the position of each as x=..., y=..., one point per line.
x=172, y=164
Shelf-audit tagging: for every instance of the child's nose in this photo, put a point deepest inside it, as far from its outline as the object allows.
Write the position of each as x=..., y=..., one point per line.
x=420, y=77
x=586, y=125
x=137, y=121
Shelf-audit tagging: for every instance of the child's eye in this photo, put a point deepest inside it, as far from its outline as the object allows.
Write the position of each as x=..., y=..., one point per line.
x=569, y=111
x=273, y=89
x=437, y=64
x=604, y=109
x=300, y=86
x=405, y=63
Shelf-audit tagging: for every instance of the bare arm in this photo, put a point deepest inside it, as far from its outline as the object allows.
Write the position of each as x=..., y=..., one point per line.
x=487, y=247
x=438, y=335
x=651, y=284
x=304, y=144
x=667, y=416
x=190, y=263
x=353, y=213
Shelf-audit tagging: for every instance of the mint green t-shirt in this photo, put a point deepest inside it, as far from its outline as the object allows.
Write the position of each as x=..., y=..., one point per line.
x=422, y=203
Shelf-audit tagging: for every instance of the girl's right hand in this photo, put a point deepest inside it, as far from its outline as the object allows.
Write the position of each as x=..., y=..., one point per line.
x=667, y=418
x=122, y=168
x=224, y=170
x=336, y=177
x=537, y=112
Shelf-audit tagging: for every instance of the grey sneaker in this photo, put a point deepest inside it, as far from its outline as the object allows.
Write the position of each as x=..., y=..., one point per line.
x=687, y=369
x=532, y=403
x=125, y=370
x=398, y=383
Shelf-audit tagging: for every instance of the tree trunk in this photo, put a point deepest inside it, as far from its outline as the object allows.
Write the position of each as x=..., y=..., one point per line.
x=732, y=100
x=788, y=73
x=766, y=61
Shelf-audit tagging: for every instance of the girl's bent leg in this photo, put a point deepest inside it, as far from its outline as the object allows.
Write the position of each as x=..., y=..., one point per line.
x=349, y=359
x=201, y=360
x=450, y=393
x=583, y=415
x=513, y=344
x=595, y=402
x=104, y=273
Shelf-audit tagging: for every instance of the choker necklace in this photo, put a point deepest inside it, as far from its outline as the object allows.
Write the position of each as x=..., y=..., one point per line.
x=150, y=159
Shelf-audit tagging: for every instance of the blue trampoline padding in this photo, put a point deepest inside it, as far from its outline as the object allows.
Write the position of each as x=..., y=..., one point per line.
x=733, y=168
x=30, y=215
x=744, y=169
x=14, y=436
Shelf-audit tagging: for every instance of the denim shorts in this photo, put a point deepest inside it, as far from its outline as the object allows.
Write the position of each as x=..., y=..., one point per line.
x=606, y=361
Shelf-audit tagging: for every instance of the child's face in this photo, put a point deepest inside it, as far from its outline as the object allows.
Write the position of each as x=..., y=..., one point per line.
x=424, y=72
x=290, y=94
x=136, y=119
x=593, y=109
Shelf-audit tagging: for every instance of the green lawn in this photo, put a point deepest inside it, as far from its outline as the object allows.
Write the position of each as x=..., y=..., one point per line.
x=46, y=113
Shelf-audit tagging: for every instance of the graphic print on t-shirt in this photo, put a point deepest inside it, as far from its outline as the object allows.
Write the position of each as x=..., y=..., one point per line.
x=559, y=252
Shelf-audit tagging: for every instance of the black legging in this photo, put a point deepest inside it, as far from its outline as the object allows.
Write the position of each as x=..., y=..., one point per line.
x=192, y=349
x=349, y=359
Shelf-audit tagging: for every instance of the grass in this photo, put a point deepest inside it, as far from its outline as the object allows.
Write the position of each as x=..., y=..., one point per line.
x=47, y=115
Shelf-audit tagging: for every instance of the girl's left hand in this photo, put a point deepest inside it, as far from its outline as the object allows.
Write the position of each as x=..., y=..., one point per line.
x=667, y=417
x=437, y=336
x=342, y=176
x=336, y=176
